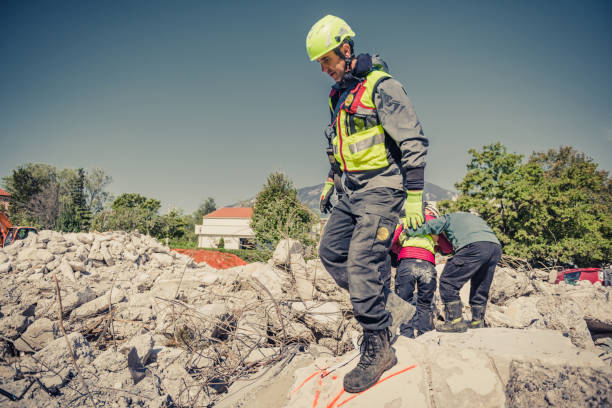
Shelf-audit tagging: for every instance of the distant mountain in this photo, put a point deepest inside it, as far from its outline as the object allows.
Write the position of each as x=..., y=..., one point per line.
x=310, y=196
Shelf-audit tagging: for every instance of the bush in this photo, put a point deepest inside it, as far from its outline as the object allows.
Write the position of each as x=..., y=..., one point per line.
x=279, y=214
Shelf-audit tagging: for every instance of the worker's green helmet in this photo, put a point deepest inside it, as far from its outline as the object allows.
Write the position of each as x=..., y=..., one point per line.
x=326, y=34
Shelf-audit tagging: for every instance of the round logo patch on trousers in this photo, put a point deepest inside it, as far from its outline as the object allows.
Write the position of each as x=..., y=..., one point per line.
x=382, y=234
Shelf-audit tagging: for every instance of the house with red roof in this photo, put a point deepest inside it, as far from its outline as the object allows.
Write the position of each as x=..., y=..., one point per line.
x=4, y=200
x=230, y=223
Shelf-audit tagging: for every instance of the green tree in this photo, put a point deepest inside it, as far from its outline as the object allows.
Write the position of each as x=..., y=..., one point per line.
x=96, y=183
x=575, y=206
x=75, y=215
x=44, y=196
x=129, y=212
x=36, y=192
x=172, y=225
x=205, y=208
x=134, y=200
x=279, y=214
x=23, y=186
x=555, y=208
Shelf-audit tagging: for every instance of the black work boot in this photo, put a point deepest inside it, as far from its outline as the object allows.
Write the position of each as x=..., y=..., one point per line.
x=478, y=312
x=453, y=318
x=377, y=356
x=401, y=312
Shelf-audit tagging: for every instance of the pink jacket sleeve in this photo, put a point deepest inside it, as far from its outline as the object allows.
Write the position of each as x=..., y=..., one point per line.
x=395, y=246
x=444, y=246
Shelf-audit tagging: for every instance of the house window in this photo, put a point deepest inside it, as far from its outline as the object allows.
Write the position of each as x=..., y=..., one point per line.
x=246, y=243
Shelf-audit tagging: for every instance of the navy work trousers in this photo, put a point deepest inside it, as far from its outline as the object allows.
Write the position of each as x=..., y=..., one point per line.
x=422, y=274
x=354, y=250
x=474, y=262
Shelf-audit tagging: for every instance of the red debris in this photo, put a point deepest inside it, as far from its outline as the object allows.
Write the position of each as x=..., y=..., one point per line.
x=218, y=260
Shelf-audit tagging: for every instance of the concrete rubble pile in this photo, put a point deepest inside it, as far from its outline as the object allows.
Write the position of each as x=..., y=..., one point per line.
x=148, y=327
x=145, y=326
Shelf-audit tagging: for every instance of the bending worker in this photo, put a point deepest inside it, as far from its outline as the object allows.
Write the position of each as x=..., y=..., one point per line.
x=377, y=147
x=477, y=252
x=416, y=263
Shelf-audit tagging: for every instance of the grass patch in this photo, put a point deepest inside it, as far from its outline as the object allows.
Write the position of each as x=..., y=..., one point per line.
x=247, y=255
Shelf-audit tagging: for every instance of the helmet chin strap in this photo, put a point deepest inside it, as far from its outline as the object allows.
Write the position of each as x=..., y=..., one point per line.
x=347, y=60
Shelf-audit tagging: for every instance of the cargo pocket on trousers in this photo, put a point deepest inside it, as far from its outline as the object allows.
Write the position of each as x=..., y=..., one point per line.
x=383, y=236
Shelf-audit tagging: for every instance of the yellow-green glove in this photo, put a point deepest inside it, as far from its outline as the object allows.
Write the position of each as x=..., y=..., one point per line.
x=325, y=204
x=413, y=208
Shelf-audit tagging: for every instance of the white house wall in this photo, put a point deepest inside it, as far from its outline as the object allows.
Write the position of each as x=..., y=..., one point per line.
x=212, y=242
x=231, y=229
x=225, y=226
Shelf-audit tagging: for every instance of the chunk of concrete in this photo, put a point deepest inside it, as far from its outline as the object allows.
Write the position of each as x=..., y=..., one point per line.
x=161, y=259
x=5, y=268
x=143, y=345
x=285, y=249
x=15, y=324
x=65, y=270
x=97, y=305
x=53, y=364
x=323, y=317
x=35, y=256
x=38, y=335
x=508, y=284
x=270, y=278
x=533, y=384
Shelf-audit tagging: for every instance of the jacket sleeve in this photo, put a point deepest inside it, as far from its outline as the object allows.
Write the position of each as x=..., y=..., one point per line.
x=435, y=226
x=329, y=132
x=444, y=246
x=397, y=116
x=395, y=245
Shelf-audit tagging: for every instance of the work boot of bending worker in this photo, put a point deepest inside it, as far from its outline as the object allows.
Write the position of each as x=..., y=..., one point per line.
x=401, y=312
x=478, y=312
x=453, y=318
x=377, y=356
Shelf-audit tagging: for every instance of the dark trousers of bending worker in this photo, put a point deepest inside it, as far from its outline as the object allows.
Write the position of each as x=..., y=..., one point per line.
x=422, y=274
x=476, y=263
x=354, y=250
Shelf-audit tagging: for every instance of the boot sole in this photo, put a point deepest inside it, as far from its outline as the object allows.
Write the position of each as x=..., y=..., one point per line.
x=452, y=330
x=371, y=384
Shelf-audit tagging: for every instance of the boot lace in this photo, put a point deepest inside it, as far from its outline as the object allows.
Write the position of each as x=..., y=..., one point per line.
x=368, y=347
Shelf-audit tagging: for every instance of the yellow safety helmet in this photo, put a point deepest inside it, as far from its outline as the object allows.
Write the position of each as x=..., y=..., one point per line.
x=327, y=34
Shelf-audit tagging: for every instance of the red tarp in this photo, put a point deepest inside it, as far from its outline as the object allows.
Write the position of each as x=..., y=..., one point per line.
x=218, y=260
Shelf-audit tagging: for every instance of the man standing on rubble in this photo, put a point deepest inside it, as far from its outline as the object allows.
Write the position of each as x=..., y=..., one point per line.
x=377, y=153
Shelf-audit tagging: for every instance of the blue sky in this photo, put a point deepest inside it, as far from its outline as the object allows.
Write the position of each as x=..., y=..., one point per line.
x=184, y=100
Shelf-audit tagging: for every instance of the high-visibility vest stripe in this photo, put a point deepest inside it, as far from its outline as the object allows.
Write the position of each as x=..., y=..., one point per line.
x=367, y=143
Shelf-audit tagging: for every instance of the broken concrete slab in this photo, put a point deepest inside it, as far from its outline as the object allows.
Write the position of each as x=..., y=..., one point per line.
x=98, y=305
x=534, y=384
x=53, y=364
x=143, y=345
x=285, y=249
x=35, y=256
x=509, y=284
x=324, y=317
x=40, y=333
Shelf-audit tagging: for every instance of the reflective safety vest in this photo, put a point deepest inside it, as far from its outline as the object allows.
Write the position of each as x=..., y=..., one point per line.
x=419, y=241
x=359, y=142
